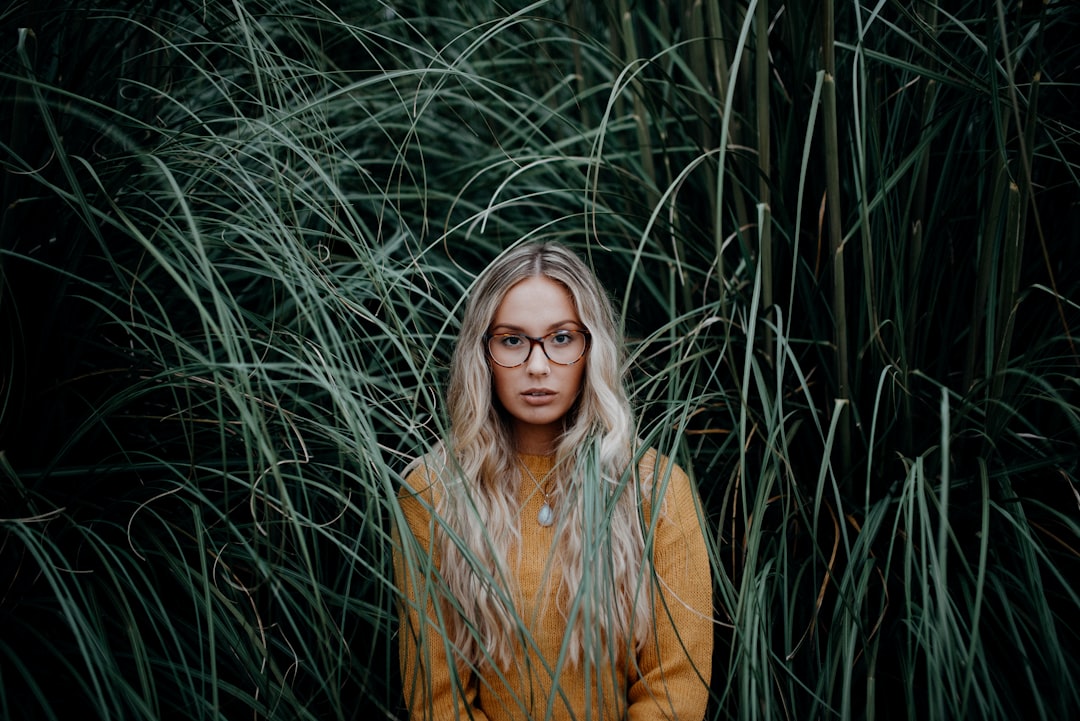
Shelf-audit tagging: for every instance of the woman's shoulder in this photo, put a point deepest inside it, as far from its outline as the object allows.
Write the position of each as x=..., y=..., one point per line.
x=422, y=477
x=656, y=469
x=665, y=486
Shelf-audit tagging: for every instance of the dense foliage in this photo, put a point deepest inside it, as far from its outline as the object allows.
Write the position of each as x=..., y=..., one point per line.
x=234, y=241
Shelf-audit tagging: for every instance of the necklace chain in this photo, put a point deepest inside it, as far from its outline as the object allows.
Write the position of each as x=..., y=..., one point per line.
x=539, y=484
x=546, y=516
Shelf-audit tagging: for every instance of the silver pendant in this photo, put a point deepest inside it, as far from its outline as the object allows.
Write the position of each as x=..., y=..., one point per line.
x=546, y=516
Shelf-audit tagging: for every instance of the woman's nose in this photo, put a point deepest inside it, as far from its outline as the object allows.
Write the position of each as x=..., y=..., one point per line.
x=537, y=363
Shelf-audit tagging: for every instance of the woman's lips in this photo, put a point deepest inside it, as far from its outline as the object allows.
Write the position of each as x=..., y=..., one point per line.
x=538, y=396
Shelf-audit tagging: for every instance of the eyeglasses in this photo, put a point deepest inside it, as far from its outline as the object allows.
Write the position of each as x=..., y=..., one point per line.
x=564, y=347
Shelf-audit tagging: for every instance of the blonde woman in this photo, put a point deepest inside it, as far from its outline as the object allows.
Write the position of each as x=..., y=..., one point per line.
x=549, y=568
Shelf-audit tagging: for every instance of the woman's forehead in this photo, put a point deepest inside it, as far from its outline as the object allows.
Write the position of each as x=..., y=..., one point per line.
x=536, y=302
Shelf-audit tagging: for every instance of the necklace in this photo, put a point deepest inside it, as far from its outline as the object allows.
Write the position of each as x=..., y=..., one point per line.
x=546, y=516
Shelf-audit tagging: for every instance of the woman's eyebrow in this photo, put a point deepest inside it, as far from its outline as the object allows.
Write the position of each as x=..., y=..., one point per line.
x=518, y=329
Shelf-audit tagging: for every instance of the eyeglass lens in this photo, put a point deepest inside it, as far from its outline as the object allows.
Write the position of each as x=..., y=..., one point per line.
x=563, y=347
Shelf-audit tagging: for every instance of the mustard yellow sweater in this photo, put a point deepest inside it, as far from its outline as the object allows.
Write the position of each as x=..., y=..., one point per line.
x=667, y=679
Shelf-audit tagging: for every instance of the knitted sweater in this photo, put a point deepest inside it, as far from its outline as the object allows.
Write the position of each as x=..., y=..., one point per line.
x=666, y=679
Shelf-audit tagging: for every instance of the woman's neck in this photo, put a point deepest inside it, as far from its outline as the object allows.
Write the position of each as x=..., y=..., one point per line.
x=531, y=440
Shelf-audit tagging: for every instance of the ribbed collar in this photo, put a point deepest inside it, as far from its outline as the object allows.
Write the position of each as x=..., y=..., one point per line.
x=539, y=465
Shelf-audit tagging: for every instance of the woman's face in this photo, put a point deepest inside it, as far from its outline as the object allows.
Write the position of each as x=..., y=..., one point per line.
x=537, y=393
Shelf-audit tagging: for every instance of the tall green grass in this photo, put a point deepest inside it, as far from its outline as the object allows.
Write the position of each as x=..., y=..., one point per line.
x=235, y=240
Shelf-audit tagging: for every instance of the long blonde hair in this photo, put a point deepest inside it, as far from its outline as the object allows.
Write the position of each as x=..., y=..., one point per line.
x=599, y=560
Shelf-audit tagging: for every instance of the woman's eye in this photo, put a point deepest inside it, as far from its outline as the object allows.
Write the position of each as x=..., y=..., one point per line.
x=512, y=341
x=562, y=338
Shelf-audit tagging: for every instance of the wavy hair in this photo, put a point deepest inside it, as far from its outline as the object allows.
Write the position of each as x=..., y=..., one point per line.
x=599, y=558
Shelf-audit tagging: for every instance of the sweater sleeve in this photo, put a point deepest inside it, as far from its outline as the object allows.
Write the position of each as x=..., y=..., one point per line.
x=435, y=688
x=674, y=668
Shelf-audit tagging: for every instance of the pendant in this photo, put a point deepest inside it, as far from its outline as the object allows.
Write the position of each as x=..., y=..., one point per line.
x=546, y=516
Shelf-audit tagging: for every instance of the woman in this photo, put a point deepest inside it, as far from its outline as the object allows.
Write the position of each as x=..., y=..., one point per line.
x=549, y=569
